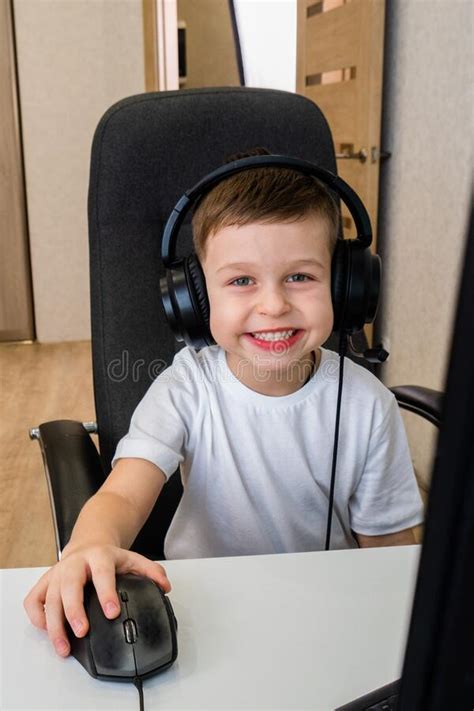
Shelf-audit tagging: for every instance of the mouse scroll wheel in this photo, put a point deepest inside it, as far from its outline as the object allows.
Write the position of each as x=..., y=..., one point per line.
x=130, y=629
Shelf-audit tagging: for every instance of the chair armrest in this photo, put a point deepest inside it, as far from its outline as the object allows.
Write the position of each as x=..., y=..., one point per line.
x=73, y=472
x=422, y=401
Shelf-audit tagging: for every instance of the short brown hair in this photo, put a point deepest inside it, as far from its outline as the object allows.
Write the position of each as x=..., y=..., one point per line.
x=262, y=195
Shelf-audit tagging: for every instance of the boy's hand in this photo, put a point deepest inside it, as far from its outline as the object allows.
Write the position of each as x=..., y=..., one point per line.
x=59, y=593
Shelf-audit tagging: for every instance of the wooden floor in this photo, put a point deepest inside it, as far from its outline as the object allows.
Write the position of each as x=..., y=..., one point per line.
x=39, y=382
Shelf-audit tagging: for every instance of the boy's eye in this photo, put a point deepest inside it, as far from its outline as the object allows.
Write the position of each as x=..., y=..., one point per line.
x=305, y=276
x=239, y=279
x=234, y=282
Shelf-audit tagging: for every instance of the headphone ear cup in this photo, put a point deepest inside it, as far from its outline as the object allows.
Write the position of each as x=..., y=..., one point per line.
x=355, y=286
x=340, y=275
x=196, y=282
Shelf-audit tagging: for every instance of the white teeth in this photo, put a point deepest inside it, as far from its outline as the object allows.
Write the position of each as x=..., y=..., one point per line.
x=273, y=336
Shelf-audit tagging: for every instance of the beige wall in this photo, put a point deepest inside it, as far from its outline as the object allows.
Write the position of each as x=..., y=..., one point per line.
x=210, y=50
x=75, y=59
x=425, y=186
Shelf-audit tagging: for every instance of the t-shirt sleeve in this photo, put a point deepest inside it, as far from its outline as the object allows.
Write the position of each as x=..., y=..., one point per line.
x=387, y=498
x=157, y=429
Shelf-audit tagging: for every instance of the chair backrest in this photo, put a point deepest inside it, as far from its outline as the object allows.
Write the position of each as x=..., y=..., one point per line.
x=147, y=151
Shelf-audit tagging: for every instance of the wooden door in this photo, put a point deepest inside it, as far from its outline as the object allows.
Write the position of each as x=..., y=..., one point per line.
x=339, y=67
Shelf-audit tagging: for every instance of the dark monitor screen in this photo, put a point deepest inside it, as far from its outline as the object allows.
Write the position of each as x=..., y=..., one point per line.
x=438, y=668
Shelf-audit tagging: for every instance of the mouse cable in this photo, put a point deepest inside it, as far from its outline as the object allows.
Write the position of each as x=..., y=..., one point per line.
x=139, y=684
x=342, y=353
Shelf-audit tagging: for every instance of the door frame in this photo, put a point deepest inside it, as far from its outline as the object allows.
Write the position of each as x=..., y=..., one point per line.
x=160, y=39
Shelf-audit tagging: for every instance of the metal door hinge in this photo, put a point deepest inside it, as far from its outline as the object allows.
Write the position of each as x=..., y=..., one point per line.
x=376, y=154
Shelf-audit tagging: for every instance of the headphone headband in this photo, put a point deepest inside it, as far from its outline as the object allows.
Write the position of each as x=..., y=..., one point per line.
x=355, y=271
x=345, y=192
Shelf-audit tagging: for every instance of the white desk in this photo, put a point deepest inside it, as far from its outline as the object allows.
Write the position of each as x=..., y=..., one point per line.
x=294, y=631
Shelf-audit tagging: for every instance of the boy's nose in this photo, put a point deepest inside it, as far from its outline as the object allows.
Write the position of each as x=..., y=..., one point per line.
x=273, y=303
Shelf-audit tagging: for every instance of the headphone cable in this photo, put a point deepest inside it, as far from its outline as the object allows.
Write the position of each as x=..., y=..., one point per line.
x=342, y=353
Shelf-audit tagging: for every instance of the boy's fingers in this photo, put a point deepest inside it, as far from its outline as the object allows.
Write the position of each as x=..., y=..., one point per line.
x=55, y=624
x=139, y=565
x=34, y=601
x=103, y=578
x=156, y=572
x=73, y=604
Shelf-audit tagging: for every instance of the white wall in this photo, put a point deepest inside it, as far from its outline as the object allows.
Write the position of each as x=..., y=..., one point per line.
x=75, y=59
x=425, y=187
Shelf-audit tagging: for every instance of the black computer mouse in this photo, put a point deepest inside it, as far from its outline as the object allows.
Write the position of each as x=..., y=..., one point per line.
x=140, y=642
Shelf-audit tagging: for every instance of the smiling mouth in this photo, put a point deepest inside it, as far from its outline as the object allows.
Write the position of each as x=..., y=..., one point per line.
x=276, y=344
x=290, y=331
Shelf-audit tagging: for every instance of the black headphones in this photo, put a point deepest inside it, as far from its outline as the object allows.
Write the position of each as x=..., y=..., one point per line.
x=355, y=271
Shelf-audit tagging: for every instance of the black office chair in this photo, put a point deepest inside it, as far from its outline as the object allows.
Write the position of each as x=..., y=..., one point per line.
x=147, y=150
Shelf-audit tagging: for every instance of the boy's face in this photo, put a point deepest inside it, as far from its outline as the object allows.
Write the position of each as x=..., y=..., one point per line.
x=271, y=290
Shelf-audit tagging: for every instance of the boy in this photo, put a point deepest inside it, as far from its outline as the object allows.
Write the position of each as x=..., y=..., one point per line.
x=251, y=419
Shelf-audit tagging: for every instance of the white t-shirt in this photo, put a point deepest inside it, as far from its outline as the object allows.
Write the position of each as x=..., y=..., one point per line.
x=256, y=469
